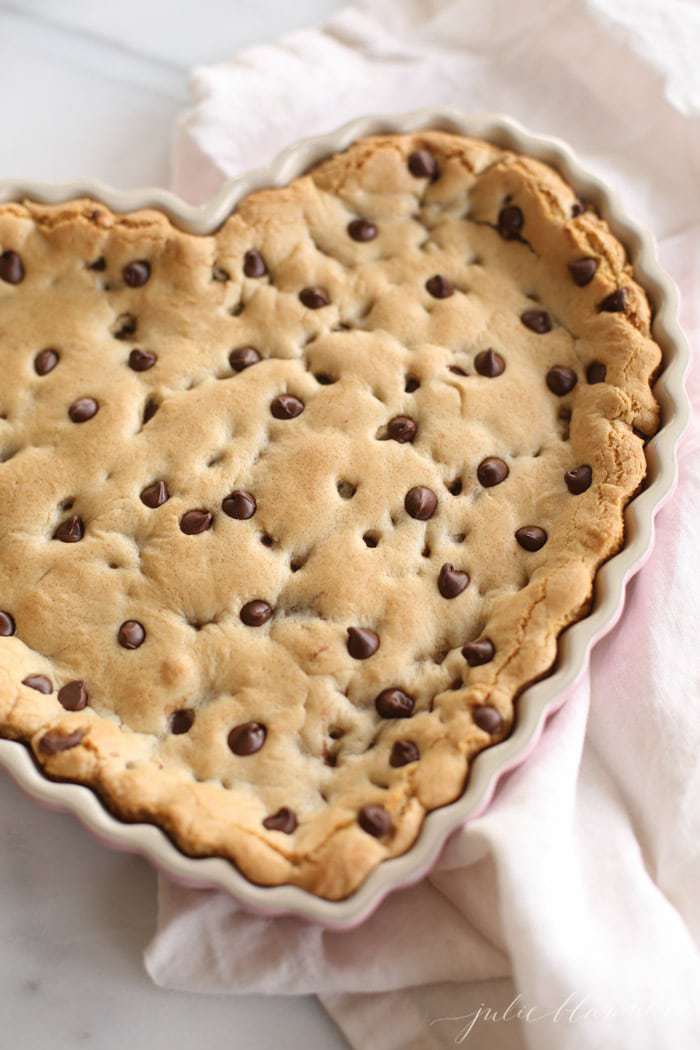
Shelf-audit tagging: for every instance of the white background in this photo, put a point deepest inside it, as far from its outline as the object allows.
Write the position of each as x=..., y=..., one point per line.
x=92, y=88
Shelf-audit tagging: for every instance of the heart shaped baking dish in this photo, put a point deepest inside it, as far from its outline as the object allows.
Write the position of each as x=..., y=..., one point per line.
x=537, y=701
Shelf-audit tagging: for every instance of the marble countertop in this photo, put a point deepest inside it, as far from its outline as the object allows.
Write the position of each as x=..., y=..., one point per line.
x=93, y=89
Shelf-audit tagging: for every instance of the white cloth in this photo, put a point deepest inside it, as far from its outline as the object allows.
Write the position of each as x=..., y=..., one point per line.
x=577, y=891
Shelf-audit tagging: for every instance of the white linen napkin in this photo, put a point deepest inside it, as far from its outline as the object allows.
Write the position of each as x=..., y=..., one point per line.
x=567, y=917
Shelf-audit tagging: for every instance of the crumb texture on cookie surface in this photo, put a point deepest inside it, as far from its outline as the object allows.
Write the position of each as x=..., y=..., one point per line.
x=292, y=512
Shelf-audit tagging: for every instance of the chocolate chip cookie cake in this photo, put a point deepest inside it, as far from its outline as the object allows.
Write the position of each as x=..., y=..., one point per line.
x=292, y=512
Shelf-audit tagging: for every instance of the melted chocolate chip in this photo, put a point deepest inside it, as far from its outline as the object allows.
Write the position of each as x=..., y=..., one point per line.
x=402, y=429
x=40, y=682
x=83, y=409
x=283, y=820
x=537, y=321
x=531, y=537
x=403, y=753
x=375, y=821
x=181, y=721
x=131, y=634
x=362, y=230
x=492, y=471
x=73, y=695
x=155, y=494
x=56, y=741
x=253, y=264
x=286, y=406
x=193, y=522
x=478, y=652
x=583, y=270
x=136, y=273
x=99, y=265
x=45, y=362
x=578, y=479
x=561, y=380
x=247, y=738
x=614, y=303
x=141, y=360
x=439, y=287
x=596, y=372
x=7, y=625
x=71, y=530
x=256, y=613
x=243, y=357
x=510, y=222
x=314, y=298
x=394, y=703
x=11, y=267
x=239, y=504
x=451, y=581
x=420, y=502
x=487, y=718
x=422, y=164
x=126, y=325
x=362, y=642
x=489, y=363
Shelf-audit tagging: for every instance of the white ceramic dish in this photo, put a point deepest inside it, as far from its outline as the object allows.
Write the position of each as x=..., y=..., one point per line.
x=535, y=703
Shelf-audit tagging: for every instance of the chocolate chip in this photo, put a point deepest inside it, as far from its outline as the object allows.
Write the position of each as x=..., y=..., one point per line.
x=614, y=303
x=451, y=581
x=71, y=530
x=537, y=321
x=487, y=718
x=243, y=357
x=155, y=494
x=420, y=502
x=455, y=487
x=40, y=682
x=578, y=479
x=577, y=209
x=141, y=360
x=11, y=267
x=489, y=363
x=136, y=273
x=510, y=222
x=492, y=471
x=561, y=380
x=403, y=752
x=247, y=738
x=402, y=429
x=83, y=409
x=125, y=326
x=7, y=625
x=193, y=522
x=283, y=820
x=596, y=372
x=325, y=378
x=149, y=410
x=314, y=298
x=531, y=537
x=55, y=741
x=362, y=230
x=219, y=274
x=583, y=270
x=131, y=634
x=422, y=164
x=73, y=695
x=479, y=652
x=239, y=504
x=439, y=287
x=412, y=384
x=45, y=362
x=286, y=406
x=394, y=703
x=256, y=613
x=457, y=371
x=254, y=264
x=181, y=721
x=362, y=642
x=375, y=821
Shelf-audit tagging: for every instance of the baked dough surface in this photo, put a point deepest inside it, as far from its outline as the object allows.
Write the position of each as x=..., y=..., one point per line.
x=133, y=610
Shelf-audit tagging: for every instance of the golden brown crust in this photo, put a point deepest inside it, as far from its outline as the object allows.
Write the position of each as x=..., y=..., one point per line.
x=326, y=754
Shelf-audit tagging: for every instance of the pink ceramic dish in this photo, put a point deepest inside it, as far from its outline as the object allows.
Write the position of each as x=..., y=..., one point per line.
x=538, y=701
